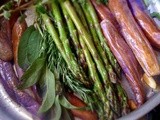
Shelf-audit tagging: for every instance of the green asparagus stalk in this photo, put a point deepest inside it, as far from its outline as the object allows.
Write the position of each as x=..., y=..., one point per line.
x=65, y=41
x=60, y=47
x=62, y=32
x=80, y=13
x=90, y=45
x=93, y=14
x=114, y=101
x=111, y=73
x=86, y=37
x=120, y=90
x=93, y=72
x=123, y=99
x=74, y=35
x=98, y=89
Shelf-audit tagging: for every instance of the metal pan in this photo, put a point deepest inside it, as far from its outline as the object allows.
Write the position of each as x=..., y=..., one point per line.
x=9, y=110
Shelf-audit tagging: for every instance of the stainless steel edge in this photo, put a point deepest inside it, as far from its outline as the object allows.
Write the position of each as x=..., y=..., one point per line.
x=9, y=110
x=144, y=109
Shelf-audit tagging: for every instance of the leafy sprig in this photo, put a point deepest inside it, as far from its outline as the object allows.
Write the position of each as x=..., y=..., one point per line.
x=10, y=7
x=45, y=66
x=155, y=15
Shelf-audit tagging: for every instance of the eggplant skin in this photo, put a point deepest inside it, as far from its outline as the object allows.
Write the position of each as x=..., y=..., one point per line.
x=104, y=13
x=10, y=81
x=125, y=58
x=135, y=37
x=147, y=24
x=17, y=31
x=6, y=52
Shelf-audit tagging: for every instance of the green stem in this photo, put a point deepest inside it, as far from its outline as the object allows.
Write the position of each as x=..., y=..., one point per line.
x=98, y=89
x=123, y=99
x=93, y=14
x=60, y=47
x=93, y=72
x=52, y=31
x=64, y=39
x=88, y=41
x=111, y=73
x=80, y=13
x=74, y=35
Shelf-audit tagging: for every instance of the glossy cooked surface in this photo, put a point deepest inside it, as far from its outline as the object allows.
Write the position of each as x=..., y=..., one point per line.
x=135, y=37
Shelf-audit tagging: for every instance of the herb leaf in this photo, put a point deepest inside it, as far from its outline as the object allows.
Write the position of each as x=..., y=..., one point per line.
x=34, y=46
x=29, y=48
x=33, y=74
x=8, y=5
x=49, y=97
x=155, y=15
x=23, y=48
x=65, y=103
x=57, y=110
x=40, y=9
x=6, y=14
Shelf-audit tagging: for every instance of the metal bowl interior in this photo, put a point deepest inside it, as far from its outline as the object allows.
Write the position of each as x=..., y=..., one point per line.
x=10, y=110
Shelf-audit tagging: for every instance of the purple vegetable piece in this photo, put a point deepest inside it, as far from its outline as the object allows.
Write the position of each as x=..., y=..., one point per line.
x=10, y=81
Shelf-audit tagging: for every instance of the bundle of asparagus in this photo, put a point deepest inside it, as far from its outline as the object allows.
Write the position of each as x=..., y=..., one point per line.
x=79, y=19
x=65, y=52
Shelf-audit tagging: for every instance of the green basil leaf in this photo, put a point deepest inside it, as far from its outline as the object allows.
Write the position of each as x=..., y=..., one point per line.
x=40, y=8
x=23, y=48
x=65, y=103
x=34, y=46
x=33, y=74
x=8, y=5
x=49, y=97
x=6, y=14
x=155, y=15
x=29, y=48
x=57, y=110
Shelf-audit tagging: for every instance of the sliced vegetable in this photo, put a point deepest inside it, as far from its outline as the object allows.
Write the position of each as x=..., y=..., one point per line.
x=82, y=114
x=147, y=24
x=135, y=37
x=125, y=57
x=17, y=31
x=149, y=81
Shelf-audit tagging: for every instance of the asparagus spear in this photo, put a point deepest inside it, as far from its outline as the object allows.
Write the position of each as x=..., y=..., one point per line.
x=120, y=90
x=60, y=47
x=90, y=45
x=74, y=35
x=98, y=88
x=65, y=41
x=93, y=14
x=86, y=37
x=93, y=72
x=111, y=73
x=80, y=13
x=123, y=99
